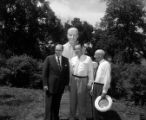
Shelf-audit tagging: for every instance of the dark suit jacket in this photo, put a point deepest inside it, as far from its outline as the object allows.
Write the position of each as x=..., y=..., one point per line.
x=53, y=77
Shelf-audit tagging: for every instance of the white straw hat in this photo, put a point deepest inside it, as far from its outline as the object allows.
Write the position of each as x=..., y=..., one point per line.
x=103, y=105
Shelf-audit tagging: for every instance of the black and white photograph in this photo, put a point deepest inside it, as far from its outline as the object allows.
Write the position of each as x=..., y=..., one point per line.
x=72, y=59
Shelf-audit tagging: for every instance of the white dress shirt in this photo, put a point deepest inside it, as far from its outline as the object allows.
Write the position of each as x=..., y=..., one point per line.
x=95, y=65
x=68, y=51
x=103, y=75
x=82, y=66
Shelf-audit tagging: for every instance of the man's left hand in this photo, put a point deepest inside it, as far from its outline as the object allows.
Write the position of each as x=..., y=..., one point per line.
x=89, y=85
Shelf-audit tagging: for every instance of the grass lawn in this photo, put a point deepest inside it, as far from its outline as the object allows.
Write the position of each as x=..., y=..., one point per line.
x=28, y=104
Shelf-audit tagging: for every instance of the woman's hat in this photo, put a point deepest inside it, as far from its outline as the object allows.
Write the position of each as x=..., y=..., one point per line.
x=103, y=105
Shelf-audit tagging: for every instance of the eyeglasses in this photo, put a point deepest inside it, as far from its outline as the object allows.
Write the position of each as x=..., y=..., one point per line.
x=77, y=49
x=58, y=50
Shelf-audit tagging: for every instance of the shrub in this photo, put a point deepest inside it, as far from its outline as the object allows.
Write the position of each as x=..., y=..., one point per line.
x=25, y=72
x=137, y=79
x=129, y=82
x=117, y=89
x=2, y=60
x=5, y=75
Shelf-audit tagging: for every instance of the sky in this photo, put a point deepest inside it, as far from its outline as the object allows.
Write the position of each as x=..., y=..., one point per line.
x=87, y=10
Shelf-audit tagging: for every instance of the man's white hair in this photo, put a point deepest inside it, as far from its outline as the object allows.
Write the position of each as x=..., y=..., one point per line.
x=100, y=52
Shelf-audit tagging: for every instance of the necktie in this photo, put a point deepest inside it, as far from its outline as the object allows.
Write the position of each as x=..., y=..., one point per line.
x=59, y=63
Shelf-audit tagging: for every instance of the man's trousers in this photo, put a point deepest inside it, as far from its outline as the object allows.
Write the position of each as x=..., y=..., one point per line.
x=97, y=90
x=78, y=96
x=52, y=105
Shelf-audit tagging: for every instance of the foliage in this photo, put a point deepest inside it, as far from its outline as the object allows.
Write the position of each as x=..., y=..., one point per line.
x=2, y=60
x=24, y=23
x=5, y=75
x=129, y=82
x=137, y=79
x=120, y=25
x=117, y=89
x=22, y=71
x=47, y=48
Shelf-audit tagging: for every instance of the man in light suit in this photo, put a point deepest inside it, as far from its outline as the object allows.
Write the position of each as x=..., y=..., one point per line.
x=55, y=79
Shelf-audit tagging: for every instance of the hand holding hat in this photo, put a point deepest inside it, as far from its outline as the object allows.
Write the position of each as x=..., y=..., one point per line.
x=102, y=103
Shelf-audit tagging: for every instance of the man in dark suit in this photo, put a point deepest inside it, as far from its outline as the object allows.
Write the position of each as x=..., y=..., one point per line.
x=55, y=79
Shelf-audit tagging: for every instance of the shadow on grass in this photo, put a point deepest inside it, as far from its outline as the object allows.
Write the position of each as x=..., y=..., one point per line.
x=143, y=116
x=14, y=102
x=6, y=118
x=112, y=115
x=10, y=100
x=6, y=96
x=109, y=115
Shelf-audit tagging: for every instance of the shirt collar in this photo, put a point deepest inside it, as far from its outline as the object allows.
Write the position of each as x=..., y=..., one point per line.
x=101, y=61
x=58, y=56
x=69, y=44
x=81, y=56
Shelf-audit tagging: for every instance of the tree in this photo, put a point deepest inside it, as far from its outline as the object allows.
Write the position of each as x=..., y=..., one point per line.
x=24, y=23
x=121, y=22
